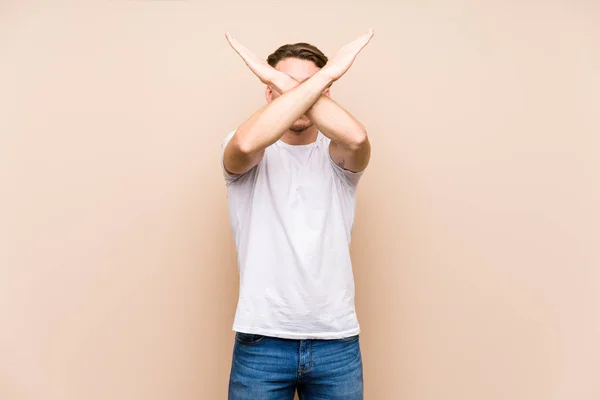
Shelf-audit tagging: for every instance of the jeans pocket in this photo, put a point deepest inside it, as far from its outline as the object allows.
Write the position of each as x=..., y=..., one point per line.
x=248, y=339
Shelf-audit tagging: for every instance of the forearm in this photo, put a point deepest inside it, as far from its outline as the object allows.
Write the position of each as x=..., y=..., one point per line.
x=329, y=117
x=337, y=124
x=268, y=125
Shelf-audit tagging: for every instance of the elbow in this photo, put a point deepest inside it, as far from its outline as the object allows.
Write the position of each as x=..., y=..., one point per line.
x=244, y=147
x=359, y=141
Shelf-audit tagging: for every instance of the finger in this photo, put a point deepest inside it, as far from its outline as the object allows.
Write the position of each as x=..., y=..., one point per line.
x=249, y=58
x=357, y=44
x=230, y=39
x=232, y=42
x=362, y=41
x=237, y=46
x=370, y=34
x=240, y=48
x=366, y=38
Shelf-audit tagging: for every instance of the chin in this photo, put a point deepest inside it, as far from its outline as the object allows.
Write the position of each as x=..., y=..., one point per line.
x=301, y=126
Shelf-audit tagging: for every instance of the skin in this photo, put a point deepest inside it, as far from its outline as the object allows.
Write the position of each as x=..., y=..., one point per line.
x=298, y=106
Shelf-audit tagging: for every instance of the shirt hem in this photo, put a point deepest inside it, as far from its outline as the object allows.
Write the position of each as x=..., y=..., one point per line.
x=296, y=335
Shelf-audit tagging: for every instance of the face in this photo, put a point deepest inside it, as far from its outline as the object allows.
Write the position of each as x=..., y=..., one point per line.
x=300, y=70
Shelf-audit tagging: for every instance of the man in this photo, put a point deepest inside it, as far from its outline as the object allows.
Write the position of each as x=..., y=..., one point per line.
x=292, y=171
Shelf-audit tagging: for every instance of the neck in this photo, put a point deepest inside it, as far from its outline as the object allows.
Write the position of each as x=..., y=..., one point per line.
x=307, y=136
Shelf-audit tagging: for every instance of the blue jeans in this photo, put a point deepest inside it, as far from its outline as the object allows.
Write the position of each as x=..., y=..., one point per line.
x=268, y=368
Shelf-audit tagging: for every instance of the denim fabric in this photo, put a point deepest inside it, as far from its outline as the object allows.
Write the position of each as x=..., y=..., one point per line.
x=268, y=368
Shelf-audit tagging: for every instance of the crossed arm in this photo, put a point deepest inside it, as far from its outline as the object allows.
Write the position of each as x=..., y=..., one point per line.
x=349, y=147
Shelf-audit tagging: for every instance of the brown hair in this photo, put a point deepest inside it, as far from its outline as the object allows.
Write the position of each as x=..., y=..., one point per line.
x=303, y=51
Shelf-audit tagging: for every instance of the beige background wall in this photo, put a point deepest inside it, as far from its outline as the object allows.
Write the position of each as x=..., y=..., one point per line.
x=477, y=234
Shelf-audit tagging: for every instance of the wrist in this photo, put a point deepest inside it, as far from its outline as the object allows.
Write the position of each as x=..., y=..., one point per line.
x=282, y=82
x=324, y=79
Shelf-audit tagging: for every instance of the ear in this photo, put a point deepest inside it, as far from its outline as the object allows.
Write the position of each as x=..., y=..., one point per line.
x=328, y=92
x=269, y=94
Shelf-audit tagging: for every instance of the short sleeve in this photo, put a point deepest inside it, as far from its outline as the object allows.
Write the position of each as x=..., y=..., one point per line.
x=229, y=178
x=349, y=178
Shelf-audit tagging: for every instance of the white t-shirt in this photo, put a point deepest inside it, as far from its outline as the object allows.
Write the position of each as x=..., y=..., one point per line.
x=292, y=216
